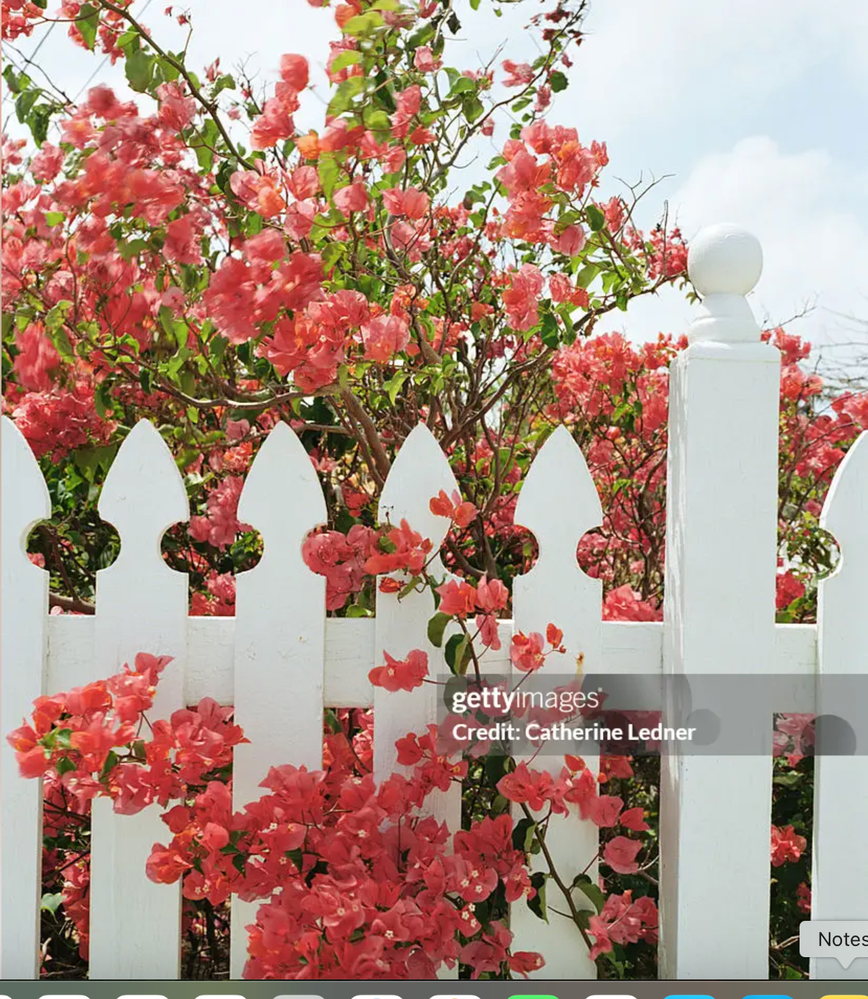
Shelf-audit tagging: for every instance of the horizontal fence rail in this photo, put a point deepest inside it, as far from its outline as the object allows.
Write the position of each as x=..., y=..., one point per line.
x=350, y=653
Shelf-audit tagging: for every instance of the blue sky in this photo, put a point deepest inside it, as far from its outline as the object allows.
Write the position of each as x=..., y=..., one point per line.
x=758, y=110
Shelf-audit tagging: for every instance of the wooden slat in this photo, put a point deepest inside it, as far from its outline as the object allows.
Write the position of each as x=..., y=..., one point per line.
x=279, y=650
x=141, y=606
x=839, y=882
x=627, y=648
x=559, y=503
x=24, y=599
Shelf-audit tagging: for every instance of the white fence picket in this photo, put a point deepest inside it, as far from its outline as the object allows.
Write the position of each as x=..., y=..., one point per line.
x=418, y=474
x=839, y=888
x=719, y=606
x=279, y=635
x=24, y=600
x=559, y=503
x=141, y=606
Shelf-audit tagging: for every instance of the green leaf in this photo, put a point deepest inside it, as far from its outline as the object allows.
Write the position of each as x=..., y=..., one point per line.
x=332, y=253
x=39, y=120
x=436, y=627
x=127, y=38
x=165, y=69
x=393, y=385
x=409, y=587
x=139, y=68
x=596, y=219
x=332, y=721
x=558, y=82
x=11, y=78
x=51, y=902
x=329, y=172
x=102, y=400
x=550, y=332
x=463, y=85
x=24, y=104
x=88, y=23
x=586, y=275
x=473, y=108
x=65, y=765
x=522, y=835
x=363, y=24
x=343, y=98
x=537, y=904
x=204, y=148
x=584, y=883
x=224, y=82
x=458, y=654
x=110, y=763
x=344, y=60
x=54, y=218
x=376, y=119
x=61, y=343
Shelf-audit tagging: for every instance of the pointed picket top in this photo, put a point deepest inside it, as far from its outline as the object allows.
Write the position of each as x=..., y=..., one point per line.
x=559, y=501
x=845, y=512
x=26, y=500
x=282, y=497
x=417, y=475
x=143, y=494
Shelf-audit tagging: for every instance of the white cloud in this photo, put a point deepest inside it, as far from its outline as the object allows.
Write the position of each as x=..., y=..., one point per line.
x=647, y=65
x=805, y=208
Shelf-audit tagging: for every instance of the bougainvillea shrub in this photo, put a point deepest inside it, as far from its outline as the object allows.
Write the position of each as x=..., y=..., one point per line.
x=444, y=247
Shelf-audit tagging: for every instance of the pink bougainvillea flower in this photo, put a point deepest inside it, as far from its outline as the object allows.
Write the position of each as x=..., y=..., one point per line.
x=401, y=674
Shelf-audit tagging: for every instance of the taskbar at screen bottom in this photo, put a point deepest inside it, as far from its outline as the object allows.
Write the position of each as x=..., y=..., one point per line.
x=538, y=989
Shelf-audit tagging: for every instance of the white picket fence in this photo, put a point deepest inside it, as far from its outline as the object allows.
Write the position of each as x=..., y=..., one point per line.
x=280, y=661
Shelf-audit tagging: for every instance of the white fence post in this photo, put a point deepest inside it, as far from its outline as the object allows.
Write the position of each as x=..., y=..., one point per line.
x=559, y=503
x=719, y=614
x=24, y=601
x=279, y=636
x=141, y=606
x=839, y=883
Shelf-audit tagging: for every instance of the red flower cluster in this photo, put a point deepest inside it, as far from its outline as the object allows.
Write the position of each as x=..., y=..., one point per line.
x=358, y=882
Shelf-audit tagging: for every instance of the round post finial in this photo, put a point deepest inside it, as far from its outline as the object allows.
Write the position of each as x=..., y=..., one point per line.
x=724, y=263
